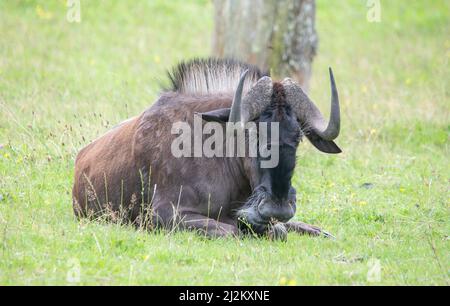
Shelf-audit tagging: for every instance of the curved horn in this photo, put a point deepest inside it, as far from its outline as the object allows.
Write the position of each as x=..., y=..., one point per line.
x=334, y=125
x=309, y=114
x=235, y=112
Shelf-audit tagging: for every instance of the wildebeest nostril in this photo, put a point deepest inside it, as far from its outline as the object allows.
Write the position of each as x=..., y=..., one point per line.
x=264, y=209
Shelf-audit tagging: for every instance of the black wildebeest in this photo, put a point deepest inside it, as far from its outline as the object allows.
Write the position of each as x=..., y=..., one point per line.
x=130, y=173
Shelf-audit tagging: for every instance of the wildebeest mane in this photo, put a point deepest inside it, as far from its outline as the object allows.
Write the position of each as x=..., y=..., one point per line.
x=212, y=75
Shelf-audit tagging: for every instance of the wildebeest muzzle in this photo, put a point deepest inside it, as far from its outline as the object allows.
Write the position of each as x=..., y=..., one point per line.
x=263, y=210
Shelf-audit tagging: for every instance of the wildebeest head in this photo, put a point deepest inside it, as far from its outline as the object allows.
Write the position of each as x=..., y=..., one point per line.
x=273, y=198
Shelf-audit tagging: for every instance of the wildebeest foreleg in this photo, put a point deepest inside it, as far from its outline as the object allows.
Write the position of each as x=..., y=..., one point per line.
x=209, y=227
x=303, y=228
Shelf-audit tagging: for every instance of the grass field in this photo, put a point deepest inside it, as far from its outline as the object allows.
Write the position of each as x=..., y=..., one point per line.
x=386, y=198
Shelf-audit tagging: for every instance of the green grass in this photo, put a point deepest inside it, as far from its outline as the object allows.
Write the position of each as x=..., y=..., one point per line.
x=63, y=84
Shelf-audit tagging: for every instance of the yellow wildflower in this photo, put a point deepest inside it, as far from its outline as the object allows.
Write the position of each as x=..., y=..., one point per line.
x=43, y=14
x=292, y=282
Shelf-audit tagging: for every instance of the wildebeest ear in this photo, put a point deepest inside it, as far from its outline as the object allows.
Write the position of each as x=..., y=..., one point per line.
x=326, y=146
x=219, y=115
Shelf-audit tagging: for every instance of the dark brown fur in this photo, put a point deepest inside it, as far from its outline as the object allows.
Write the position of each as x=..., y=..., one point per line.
x=114, y=170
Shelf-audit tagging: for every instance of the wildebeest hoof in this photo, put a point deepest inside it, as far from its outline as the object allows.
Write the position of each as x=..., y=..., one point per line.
x=277, y=232
x=303, y=228
x=328, y=235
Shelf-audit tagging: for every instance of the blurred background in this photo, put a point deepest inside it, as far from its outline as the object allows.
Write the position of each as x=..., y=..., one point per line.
x=114, y=60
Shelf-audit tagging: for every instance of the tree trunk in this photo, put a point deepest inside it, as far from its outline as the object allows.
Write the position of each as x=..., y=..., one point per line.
x=276, y=35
